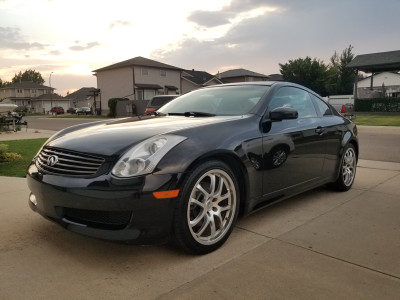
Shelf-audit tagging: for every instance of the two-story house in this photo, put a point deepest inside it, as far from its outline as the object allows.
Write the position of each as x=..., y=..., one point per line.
x=138, y=78
x=22, y=93
x=35, y=97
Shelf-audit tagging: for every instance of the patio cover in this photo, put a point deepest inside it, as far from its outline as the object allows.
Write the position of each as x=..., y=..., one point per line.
x=376, y=62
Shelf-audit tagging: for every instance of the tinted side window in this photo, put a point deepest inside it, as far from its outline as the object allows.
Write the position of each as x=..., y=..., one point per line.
x=323, y=108
x=295, y=98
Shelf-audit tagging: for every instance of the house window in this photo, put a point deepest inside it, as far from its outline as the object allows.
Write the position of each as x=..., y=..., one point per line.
x=148, y=94
x=19, y=91
x=145, y=72
x=163, y=73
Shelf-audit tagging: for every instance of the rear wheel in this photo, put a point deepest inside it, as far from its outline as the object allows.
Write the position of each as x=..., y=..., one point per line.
x=207, y=209
x=347, y=171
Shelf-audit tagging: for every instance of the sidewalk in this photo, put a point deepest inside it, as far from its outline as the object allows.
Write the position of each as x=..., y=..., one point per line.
x=26, y=134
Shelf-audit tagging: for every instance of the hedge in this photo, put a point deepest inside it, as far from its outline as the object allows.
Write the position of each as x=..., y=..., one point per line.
x=377, y=105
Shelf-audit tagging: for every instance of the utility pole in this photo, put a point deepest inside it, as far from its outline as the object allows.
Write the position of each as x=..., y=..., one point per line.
x=51, y=95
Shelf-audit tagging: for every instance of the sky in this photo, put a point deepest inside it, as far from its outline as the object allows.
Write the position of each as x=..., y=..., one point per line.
x=69, y=38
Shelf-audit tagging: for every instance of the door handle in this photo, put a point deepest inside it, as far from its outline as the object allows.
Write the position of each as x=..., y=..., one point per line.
x=320, y=130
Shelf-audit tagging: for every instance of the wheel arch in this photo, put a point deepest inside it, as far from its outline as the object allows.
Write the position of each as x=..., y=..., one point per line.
x=236, y=166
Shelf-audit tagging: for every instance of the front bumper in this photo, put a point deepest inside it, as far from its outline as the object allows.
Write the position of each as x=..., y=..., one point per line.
x=105, y=207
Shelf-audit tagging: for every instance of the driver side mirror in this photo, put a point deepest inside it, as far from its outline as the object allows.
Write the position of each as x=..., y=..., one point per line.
x=283, y=113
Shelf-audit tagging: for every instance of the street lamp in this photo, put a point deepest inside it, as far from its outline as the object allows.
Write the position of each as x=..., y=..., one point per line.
x=51, y=95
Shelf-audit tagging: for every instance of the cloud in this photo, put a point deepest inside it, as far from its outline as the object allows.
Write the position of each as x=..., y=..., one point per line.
x=119, y=23
x=227, y=13
x=10, y=38
x=209, y=18
x=83, y=48
x=295, y=29
x=55, y=52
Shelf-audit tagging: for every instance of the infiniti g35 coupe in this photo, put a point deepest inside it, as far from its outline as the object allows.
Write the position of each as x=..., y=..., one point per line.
x=187, y=173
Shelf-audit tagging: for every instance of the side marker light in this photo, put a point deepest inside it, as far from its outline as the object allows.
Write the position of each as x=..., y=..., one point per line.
x=166, y=194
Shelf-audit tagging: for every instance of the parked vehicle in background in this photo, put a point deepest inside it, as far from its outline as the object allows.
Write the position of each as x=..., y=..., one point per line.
x=157, y=101
x=344, y=104
x=57, y=110
x=83, y=111
x=71, y=110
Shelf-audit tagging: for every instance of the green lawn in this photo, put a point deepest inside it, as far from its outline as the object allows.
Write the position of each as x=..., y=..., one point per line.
x=27, y=149
x=378, y=119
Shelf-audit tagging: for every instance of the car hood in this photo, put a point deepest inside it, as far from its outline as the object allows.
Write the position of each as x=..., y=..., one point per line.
x=115, y=137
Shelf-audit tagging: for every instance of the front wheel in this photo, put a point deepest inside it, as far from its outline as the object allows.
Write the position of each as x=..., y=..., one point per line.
x=207, y=210
x=347, y=169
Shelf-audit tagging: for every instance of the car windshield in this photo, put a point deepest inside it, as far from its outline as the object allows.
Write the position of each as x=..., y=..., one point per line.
x=222, y=100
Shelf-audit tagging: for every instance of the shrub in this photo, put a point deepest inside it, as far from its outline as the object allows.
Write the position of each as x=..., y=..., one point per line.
x=8, y=156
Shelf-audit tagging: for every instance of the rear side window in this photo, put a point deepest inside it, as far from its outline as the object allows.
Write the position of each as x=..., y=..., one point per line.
x=322, y=107
x=295, y=98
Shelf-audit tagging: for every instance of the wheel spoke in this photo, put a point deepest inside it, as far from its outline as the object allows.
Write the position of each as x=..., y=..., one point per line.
x=202, y=190
x=204, y=226
x=212, y=184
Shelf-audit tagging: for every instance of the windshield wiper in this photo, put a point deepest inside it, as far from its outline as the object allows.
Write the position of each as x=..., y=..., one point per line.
x=192, y=114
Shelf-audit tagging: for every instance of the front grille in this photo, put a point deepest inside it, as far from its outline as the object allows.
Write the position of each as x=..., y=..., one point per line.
x=64, y=162
x=113, y=220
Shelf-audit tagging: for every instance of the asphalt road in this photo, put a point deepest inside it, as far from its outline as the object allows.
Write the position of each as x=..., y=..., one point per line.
x=376, y=142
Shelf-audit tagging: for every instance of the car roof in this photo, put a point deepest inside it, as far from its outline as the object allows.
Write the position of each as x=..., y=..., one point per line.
x=264, y=83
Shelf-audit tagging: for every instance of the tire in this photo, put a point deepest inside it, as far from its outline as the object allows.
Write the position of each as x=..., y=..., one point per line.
x=207, y=209
x=347, y=169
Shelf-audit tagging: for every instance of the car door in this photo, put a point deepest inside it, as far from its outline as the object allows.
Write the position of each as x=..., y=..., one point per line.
x=332, y=127
x=294, y=149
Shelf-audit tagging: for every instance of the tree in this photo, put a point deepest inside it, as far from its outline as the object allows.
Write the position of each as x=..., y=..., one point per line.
x=3, y=83
x=340, y=79
x=28, y=75
x=311, y=73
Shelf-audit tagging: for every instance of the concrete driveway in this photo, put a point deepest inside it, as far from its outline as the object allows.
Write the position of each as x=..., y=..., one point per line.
x=319, y=245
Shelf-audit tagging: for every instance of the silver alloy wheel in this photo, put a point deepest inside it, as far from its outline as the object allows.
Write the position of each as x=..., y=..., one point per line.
x=212, y=206
x=349, y=166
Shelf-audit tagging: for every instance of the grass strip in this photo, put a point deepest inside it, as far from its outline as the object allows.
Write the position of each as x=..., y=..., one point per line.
x=27, y=149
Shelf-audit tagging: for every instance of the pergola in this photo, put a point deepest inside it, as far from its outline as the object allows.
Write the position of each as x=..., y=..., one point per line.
x=373, y=63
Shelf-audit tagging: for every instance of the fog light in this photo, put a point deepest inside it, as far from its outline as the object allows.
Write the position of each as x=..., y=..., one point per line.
x=32, y=198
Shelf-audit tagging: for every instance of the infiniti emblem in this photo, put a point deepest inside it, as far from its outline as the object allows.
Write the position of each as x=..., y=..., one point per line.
x=52, y=160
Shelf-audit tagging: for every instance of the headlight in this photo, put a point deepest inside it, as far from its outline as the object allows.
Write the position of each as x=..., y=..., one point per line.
x=144, y=157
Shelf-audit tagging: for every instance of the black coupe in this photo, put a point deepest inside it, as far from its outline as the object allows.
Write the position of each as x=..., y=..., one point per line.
x=188, y=172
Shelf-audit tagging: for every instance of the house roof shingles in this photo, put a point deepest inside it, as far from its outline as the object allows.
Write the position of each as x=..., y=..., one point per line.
x=198, y=77
x=239, y=73
x=50, y=97
x=82, y=93
x=377, y=62
x=138, y=61
x=26, y=85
